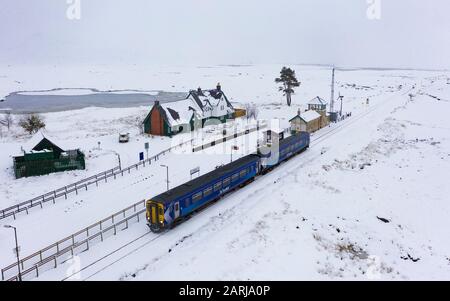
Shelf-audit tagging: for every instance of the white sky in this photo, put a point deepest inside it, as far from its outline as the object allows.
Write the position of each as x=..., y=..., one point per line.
x=410, y=33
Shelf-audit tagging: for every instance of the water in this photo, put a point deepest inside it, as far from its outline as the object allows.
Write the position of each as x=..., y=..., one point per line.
x=20, y=103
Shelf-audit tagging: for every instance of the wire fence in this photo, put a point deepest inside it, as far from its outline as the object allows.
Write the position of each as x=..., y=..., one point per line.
x=64, y=249
x=39, y=201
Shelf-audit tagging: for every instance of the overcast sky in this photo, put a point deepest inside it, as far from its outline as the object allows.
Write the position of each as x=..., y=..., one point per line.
x=410, y=33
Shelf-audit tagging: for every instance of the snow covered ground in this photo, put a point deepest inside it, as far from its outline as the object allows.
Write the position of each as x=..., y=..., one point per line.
x=369, y=200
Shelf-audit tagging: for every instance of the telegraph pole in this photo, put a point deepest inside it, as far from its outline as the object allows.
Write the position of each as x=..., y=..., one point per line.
x=332, y=92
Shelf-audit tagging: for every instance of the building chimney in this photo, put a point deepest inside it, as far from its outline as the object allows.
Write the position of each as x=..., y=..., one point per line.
x=156, y=103
x=219, y=87
x=299, y=111
x=199, y=91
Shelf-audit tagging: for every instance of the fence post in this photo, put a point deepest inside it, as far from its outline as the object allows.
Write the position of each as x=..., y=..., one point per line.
x=115, y=231
x=53, y=199
x=96, y=181
x=37, y=271
x=76, y=189
x=56, y=264
x=85, y=185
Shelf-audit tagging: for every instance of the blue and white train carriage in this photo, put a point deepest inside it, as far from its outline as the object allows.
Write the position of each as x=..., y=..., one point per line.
x=175, y=204
x=166, y=209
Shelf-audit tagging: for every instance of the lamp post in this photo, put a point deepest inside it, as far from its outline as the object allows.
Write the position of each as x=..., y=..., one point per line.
x=17, y=249
x=341, y=98
x=167, y=175
x=234, y=147
x=120, y=163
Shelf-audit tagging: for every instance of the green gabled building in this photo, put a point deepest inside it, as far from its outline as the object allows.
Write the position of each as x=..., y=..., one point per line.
x=197, y=109
x=45, y=158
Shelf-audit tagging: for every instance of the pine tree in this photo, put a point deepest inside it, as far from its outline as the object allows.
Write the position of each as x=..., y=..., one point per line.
x=289, y=81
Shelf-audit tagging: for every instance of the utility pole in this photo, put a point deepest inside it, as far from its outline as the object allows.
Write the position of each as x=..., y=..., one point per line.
x=167, y=175
x=17, y=249
x=332, y=92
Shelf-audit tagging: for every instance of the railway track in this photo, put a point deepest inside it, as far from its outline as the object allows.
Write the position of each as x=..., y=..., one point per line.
x=282, y=172
x=316, y=140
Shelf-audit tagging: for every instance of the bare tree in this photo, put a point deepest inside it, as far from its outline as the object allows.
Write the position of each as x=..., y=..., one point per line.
x=139, y=124
x=32, y=123
x=251, y=111
x=7, y=120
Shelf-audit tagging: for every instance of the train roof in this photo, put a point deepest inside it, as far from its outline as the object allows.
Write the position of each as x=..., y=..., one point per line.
x=200, y=181
x=293, y=137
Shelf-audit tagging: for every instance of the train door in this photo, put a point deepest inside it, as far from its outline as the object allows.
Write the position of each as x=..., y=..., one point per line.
x=154, y=213
x=177, y=210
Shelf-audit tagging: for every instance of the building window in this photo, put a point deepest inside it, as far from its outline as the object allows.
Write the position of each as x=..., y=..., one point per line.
x=243, y=173
x=226, y=182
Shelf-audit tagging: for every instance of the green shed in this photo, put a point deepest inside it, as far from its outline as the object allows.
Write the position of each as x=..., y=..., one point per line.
x=46, y=157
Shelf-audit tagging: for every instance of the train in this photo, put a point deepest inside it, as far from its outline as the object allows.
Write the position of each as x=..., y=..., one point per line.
x=169, y=208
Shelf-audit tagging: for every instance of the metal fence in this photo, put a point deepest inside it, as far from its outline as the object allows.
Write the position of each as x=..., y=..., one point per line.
x=64, y=249
x=230, y=137
x=39, y=201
